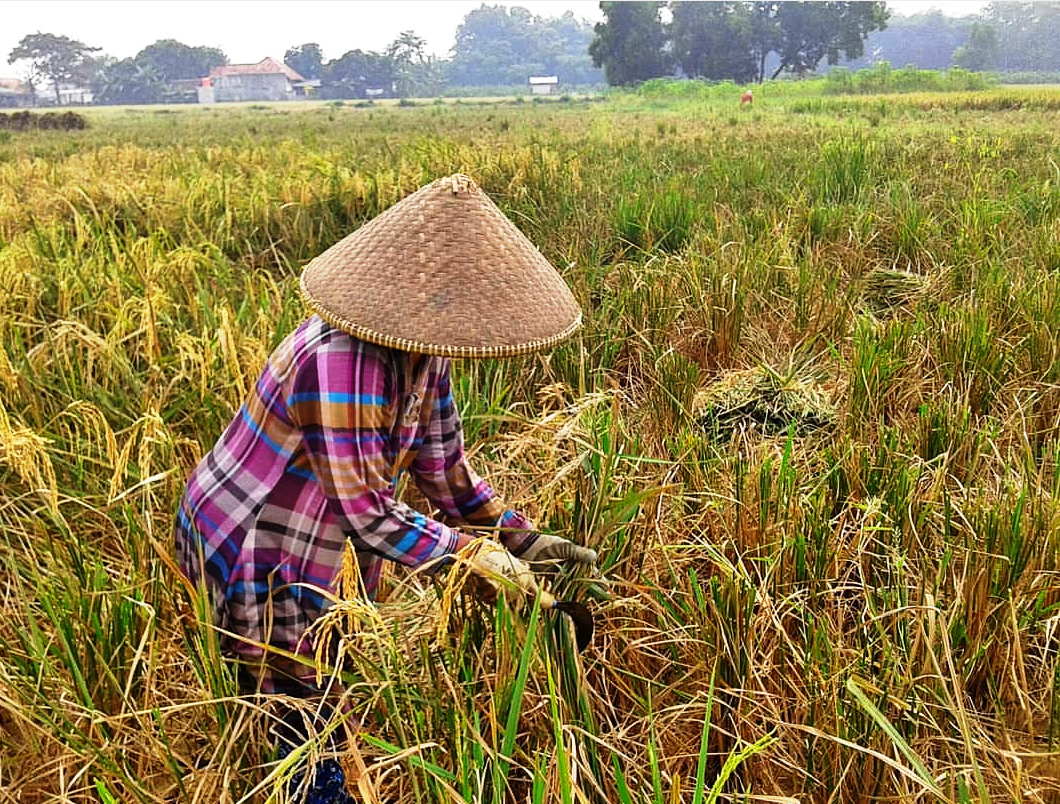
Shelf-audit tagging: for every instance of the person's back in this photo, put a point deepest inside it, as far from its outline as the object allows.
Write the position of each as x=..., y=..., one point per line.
x=350, y=400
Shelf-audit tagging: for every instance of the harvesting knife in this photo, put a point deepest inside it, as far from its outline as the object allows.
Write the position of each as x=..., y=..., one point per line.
x=579, y=614
x=495, y=569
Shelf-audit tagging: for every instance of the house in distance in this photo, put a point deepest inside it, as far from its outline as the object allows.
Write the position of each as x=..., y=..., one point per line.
x=14, y=93
x=544, y=84
x=268, y=80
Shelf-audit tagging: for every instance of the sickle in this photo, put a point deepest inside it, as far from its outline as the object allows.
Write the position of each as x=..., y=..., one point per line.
x=579, y=614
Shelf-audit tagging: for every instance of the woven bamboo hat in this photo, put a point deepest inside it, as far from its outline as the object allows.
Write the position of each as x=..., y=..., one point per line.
x=443, y=272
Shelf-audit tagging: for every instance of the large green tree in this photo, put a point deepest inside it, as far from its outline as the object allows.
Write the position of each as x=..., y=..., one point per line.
x=498, y=46
x=56, y=59
x=408, y=54
x=148, y=76
x=128, y=81
x=982, y=50
x=307, y=60
x=804, y=34
x=1028, y=35
x=171, y=60
x=926, y=40
x=722, y=40
x=562, y=48
x=353, y=73
x=489, y=41
x=631, y=42
x=713, y=40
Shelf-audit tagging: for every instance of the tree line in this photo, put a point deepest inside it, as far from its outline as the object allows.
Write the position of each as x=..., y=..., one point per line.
x=729, y=40
x=495, y=46
x=1009, y=37
x=752, y=41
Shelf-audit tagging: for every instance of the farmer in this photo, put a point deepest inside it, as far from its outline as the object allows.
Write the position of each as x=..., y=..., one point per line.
x=748, y=97
x=358, y=395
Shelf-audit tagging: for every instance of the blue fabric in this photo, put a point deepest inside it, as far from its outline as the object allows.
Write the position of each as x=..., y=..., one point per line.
x=329, y=783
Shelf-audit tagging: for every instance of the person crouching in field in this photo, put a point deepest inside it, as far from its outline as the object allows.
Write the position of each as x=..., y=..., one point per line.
x=357, y=395
x=748, y=98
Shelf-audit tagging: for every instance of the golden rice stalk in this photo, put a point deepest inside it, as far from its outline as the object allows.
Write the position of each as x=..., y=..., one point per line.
x=8, y=377
x=154, y=448
x=153, y=297
x=20, y=286
x=368, y=632
x=351, y=617
x=374, y=634
x=84, y=428
x=155, y=443
x=556, y=442
x=26, y=453
x=229, y=340
x=194, y=359
x=69, y=344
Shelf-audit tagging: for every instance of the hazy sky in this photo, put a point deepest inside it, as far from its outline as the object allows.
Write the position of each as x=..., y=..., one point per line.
x=249, y=30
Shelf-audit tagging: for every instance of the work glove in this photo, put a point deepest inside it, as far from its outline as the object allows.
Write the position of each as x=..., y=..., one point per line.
x=500, y=571
x=547, y=549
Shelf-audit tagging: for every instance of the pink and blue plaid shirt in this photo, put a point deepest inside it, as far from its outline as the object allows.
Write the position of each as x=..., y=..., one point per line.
x=313, y=458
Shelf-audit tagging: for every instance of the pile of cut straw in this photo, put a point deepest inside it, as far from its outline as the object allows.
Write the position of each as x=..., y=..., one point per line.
x=761, y=399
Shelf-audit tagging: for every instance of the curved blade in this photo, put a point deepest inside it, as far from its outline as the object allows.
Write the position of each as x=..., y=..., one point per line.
x=582, y=619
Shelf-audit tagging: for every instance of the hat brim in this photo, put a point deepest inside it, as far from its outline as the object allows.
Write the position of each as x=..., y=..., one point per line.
x=443, y=272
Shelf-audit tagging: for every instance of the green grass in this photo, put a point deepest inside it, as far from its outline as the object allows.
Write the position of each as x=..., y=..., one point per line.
x=862, y=610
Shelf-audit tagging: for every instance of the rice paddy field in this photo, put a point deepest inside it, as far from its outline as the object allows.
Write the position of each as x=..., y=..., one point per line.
x=811, y=425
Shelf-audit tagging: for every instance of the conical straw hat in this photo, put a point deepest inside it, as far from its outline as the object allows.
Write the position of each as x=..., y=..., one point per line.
x=443, y=272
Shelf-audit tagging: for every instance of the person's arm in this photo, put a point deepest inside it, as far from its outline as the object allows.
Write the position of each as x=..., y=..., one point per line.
x=340, y=400
x=441, y=472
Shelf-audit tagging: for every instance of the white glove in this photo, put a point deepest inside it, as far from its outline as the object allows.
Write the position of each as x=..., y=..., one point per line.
x=503, y=571
x=547, y=548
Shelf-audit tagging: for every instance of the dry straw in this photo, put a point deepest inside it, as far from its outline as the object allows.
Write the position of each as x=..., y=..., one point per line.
x=760, y=398
x=886, y=289
x=443, y=272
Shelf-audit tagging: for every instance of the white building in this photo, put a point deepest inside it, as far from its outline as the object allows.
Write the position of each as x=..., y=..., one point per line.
x=268, y=80
x=544, y=84
x=72, y=95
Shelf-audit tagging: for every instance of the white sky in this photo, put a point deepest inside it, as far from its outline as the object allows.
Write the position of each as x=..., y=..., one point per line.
x=249, y=30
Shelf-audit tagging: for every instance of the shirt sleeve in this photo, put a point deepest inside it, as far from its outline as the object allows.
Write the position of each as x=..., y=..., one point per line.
x=441, y=472
x=340, y=400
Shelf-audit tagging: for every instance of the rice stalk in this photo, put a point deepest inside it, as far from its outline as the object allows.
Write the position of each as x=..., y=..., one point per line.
x=150, y=263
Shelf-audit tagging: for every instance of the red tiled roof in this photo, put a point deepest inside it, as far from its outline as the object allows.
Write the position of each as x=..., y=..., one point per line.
x=266, y=65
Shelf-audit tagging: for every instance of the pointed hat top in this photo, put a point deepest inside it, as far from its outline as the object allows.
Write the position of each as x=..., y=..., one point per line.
x=443, y=272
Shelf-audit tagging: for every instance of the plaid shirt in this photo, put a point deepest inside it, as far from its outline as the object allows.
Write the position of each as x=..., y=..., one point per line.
x=313, y=458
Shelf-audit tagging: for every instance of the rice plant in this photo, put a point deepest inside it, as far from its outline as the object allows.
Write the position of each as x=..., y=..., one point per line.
x=855, y=598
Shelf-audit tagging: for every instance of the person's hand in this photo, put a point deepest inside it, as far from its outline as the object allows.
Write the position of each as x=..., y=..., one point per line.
x=547, y=549
x=501, y=571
